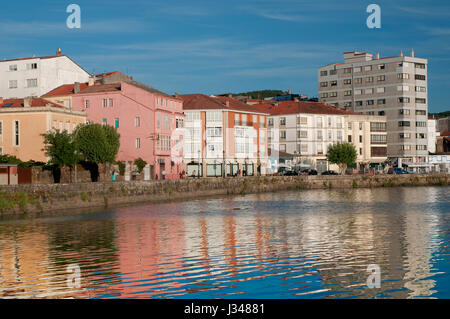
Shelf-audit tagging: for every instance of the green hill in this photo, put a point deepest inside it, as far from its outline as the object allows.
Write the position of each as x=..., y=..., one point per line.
x=440, y=115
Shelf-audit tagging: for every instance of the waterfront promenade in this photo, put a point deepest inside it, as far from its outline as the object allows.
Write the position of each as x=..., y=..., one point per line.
x=29, y=200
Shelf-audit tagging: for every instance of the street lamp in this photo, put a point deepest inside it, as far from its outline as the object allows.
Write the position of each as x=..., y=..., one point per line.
x=224, y=173
x=198, y=172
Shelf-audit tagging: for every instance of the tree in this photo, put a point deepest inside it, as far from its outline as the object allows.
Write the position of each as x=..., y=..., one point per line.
x=97, y=144
x=140, y=164
x=342, y=154
x=61, y=148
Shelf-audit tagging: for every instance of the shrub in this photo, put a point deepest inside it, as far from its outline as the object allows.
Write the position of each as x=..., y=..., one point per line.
x=140, y=164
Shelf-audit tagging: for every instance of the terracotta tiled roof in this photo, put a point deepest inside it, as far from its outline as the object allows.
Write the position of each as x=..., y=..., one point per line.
x=292, y=107
x=36, y=102
x=204, y=102
x=446, y=133
x=102, y=88
x=66, y=89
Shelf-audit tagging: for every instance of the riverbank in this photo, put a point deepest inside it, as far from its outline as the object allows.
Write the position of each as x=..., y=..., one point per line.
x=32, y=200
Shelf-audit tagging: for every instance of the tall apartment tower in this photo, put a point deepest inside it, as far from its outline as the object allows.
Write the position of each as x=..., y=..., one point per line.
x=393, y=86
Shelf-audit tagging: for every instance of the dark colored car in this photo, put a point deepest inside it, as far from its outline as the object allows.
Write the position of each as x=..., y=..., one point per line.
x=290, y=173
x=330, y=173
x=397, y=170
x=308, y=171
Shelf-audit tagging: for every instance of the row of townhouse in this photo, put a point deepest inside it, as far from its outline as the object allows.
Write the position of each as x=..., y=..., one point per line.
x=301, y=132
x=194, y=134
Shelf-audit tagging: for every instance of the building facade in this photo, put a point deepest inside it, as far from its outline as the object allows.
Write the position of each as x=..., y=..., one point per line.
x=223, y=137
x=35, y=76
x=149, y=122
x=394, y=86
x=301, y=132
x=22, y=121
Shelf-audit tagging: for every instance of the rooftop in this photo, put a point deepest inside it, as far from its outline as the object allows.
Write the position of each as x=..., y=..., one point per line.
x=204, y=102
x=66, y=89
x=293, y=107
x=35, y=102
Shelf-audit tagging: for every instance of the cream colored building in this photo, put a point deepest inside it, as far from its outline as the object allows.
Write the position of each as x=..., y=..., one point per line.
x=301, y=132
x=22, y=121
x=393, y=86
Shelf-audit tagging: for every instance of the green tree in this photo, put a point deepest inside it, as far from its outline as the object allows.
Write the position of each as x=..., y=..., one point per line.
x=61, y=148
x=342, y=154
x=140, y=164
x=97, y=144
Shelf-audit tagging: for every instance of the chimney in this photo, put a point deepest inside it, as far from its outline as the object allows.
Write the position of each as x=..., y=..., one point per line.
x=295, y=99
x=377, y=56
x=176, y=95
x=27, y=101
x=76, y=88
x=412, y=53
x=91, y=81
x=227, y=103
x=58, y=52
x=1, y=100
x=230, y=95
x=401, y=53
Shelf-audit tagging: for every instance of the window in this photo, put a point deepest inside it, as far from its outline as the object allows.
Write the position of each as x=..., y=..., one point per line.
x=319, y=122
x=138, y=143
x=357, y=69
x=348, y=93
x=347, y=70
x=86, y=103
x=323, y=84
x=213, y=116
x=360, y=126
x=378, y=139
x=302, y=134
x=403, y=100
x=16, y=133
x=419, y=65
x=420, y=135
x=333, y=94
x=13, y=67
x=349, y=125
x=421, y=147
x=111, y=102
x=360, y=139
x=369, y=79
x=236, y=119
x=333, y=72
x=421, y=89
x=404, y=123
x=359, y=103
x=319, y=135
x=302, y=120
x=381, y=90
x=382, y=113
x=283, y=147
x=381, y=101
x=421, y=124
x=282, y=134
x=368, y=68
x=370, y=102
x=304, y=148
x=333, y=83
x=381, y=78
x=105, y=102
x=347, y=81
x=360, y=151
x=358, y=92
x=13, y=84
x=105, y=121
x=32, y=83
x=137, y=121
x=116, y=123
x=270, y=122
x=405, y=136
x=244, y=119
x=420, y=77
x=421, y=112
x=403, y=88
x=405, y=147
x=381, y=66
x=421, y=101
x=282, y=121
x=339, y=136
x=1, y=128
x=31, y=66
x=214, y=132
x=403, y=76
x=358, y=80
x=349, y=138
x=323, y=95
x=404, y=112
x=368, y=91
x=377, y=127
x=262, y=121
x=323, y=73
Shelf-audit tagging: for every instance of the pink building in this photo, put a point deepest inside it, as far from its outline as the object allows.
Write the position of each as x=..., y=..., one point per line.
x=149, y=123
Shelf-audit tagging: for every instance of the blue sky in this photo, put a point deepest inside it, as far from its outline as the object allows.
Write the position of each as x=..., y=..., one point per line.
x=211, y=46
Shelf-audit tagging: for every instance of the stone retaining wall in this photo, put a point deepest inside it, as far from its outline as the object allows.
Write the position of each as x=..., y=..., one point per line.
x=29, y=200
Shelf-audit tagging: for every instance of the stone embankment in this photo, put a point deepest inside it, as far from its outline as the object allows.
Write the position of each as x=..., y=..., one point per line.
x=33, y=200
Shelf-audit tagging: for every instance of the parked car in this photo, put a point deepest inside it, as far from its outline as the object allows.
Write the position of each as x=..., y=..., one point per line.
x=308, y=171
x=330, y=173
x=290, y=173
x=397, y=170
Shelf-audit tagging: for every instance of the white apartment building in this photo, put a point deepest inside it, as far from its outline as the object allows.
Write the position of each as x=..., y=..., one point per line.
x=36, y=76
x=303, y=131
x=432, y=135
x=223, y=136
x=393, y=86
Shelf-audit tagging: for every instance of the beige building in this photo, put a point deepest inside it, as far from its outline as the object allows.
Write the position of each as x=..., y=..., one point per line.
x=393, y=86
x=301, y=132
x=22, y=121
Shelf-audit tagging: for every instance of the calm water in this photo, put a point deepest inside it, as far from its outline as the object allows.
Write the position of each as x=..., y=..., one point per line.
x=308, y=244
